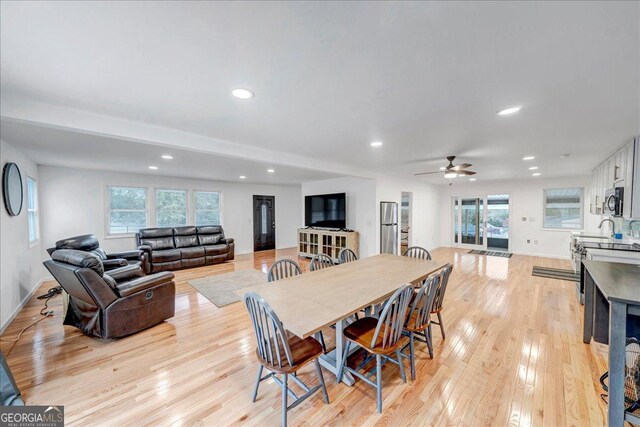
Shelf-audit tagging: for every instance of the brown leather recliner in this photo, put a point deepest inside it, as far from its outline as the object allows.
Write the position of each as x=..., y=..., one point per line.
x=173, y=248
x=120, y=265
x=104, y=308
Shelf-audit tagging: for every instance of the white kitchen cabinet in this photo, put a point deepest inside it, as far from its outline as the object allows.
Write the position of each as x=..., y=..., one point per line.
x=616, y=171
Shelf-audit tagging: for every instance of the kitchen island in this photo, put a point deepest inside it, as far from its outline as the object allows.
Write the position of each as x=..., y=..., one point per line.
x=611, y=314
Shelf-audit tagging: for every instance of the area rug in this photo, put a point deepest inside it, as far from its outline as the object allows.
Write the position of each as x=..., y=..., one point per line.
x=491, y=253
x=555, y=273
x=225, y=289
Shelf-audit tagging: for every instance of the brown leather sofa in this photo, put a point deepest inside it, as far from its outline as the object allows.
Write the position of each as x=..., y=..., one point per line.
x=119, y=265
x=173, y=248
x=104, y=308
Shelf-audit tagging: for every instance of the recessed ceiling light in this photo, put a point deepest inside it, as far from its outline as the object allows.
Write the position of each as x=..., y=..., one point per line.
x=528, y=158
x=242, y=177
x=510, y=110
x=270, y=170
x=153, y=168
x=167, y=157
x=442, y=168
x=242, y=93
x=472, y=179
x=532, y=168
x=450, y=175
x=376, y=144
x=535, y=174
x=564, y=156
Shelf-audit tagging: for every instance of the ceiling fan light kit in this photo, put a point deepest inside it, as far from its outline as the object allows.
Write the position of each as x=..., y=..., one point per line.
x=452, y=171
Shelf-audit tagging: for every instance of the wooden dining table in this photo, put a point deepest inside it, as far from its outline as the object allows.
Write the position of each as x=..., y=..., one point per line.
x=312, y=301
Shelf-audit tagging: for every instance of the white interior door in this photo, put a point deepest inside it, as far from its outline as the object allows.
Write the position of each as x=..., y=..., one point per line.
x=470, y=222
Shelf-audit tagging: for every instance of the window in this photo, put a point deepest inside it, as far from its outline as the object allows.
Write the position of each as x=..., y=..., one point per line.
x=127, y=209
x=171, y=208
x=32, y=210
x=207, y=208
x=563, y=208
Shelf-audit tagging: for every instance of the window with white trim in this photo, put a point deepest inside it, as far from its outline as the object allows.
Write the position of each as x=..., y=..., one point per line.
x=127, y=209
x=32, y=210
x=207, y=207
x=563, y=208
x=171, y=208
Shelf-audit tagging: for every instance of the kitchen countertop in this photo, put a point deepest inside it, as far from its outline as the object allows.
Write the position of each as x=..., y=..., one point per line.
x=610, y=253
x=617, y=281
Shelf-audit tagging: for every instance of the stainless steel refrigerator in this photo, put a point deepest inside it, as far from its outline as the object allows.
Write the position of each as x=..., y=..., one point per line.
x=389, y=228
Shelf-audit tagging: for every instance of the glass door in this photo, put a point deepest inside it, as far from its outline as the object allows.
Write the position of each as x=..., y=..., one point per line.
x=469, y=222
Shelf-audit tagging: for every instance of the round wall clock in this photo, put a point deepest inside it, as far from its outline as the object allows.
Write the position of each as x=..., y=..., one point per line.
x=12, y=188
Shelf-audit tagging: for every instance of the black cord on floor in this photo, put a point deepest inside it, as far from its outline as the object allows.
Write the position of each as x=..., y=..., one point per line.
x=48, y=313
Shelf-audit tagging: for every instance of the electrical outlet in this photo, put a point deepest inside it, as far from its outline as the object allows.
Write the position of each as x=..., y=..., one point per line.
x=524, y=218
x=528, y=241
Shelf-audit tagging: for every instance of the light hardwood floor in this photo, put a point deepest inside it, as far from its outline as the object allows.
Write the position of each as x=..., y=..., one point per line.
x=513, y=355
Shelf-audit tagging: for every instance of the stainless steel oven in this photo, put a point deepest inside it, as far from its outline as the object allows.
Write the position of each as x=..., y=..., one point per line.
x=613, y=201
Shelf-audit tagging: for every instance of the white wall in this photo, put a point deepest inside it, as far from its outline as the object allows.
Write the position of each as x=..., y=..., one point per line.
x=525, y=198
x=361, y=206
x=20, y=264
x=425, y=211
x=73, y=203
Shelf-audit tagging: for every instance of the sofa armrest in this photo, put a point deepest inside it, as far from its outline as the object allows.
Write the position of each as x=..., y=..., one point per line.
x=110, y=264
x=140, y=284
x=145, y=249
x=228, y=240
x=126, y=273
x=132, y=255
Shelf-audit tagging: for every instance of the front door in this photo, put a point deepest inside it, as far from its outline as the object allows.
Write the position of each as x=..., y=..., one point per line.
x=264, y=223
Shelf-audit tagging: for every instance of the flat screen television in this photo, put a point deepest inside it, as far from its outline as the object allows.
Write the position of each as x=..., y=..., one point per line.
x=326, y=210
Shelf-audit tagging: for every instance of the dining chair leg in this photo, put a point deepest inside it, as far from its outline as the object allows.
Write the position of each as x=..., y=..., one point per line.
x=379, y=382
x=255, y=389
x=441, y=324
x=427, y=337
x=401, y=366
x=284, y=400
x=325, y=395
x=412, y=356
x=344, y=361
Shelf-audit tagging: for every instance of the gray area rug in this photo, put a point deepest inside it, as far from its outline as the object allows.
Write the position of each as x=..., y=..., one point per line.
x=555, y=273
x=225, y=289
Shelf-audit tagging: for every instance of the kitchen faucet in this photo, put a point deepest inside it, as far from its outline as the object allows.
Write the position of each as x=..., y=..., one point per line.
x=613, y=226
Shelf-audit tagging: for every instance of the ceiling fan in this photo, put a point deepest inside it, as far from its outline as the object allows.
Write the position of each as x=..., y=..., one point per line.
x=452, y=171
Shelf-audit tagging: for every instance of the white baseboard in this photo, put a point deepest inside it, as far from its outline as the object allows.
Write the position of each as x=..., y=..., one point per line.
x=23, y=302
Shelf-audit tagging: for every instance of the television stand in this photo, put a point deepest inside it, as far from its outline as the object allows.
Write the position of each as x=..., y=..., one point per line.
x=313, y=241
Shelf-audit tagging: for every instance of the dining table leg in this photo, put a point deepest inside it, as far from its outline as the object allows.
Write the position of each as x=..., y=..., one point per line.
x=333, y=359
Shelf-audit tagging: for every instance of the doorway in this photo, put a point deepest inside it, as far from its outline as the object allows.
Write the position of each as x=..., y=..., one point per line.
x=264, y=223
x=405, y=222
x=481, y=222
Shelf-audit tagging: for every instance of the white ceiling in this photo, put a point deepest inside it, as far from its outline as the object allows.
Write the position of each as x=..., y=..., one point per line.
x=427, y=78
x=57, y=147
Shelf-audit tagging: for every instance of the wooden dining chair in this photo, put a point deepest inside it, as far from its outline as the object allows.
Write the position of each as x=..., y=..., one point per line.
x=282, y=353
x=380, y=337
x=438, y=301
x=347, y=255
x=320, y=261
x=417, y=252
x=283, y=269
x=419, y=319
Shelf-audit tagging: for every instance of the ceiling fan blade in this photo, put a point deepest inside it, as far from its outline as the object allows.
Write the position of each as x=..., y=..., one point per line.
x=426, y=173
x=461, y=166
x=465, y=172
